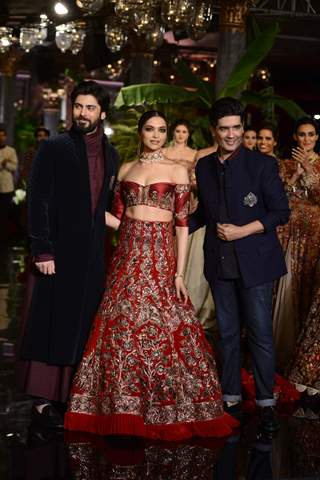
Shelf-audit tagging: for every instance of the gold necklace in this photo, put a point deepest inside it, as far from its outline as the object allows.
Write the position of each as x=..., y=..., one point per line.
x=151, y=157
x=313, y=157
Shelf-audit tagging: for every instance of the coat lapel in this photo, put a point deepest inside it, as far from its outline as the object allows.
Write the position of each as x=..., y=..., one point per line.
x=81, y=154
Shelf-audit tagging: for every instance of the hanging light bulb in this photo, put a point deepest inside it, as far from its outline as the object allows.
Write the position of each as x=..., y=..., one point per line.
x=177, y=13
x=154, y=37
x=28, y=38
x=78, y=36
x=144, y=21
x=64, y=36
x=115, y=37
x=6, y=38
x=90, y=6
x=124, y=7
x=202, y=18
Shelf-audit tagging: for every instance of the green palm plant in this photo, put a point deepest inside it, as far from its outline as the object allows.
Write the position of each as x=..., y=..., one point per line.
x=196, y=94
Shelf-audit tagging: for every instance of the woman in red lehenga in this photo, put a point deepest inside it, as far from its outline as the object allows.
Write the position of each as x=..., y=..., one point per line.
x=147, y=369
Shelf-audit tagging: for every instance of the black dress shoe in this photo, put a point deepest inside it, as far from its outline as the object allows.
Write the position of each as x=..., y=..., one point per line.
x=48, y=418
x=269, y=423
x=234, y=410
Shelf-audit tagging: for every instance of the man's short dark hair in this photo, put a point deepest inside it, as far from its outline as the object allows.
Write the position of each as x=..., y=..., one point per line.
x=3, y=129
x=90, y=87
x=225, y=107
x=42, y=129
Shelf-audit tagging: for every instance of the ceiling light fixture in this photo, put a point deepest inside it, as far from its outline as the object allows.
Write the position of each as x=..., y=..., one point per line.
x=60, y=8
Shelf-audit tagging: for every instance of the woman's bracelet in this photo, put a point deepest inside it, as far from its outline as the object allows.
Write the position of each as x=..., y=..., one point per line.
x=176, y=275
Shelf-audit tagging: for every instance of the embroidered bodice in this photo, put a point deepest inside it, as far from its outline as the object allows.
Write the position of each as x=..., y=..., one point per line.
x=167, y=196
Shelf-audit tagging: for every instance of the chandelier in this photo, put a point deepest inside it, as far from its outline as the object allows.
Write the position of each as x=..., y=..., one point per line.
x=6, y=39
x=70, y=36
x=90, y=6
x=146, y=19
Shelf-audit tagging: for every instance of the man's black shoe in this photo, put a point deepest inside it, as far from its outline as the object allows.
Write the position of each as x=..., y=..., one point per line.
x=269, y=423
x=48, y=418
x=234, y=410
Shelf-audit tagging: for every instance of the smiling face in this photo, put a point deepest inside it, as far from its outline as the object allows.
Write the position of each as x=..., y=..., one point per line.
x=228, y=133
x=250, y=139
x=266, y=141
x=153, y=134
x=306, y=137
x=181, y=135
x=87, y=113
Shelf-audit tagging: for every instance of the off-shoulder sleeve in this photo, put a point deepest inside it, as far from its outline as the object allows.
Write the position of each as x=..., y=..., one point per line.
x=182, y=204
x=118, y=205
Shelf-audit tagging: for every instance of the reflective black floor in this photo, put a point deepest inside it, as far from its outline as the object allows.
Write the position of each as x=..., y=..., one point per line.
x=30, y=454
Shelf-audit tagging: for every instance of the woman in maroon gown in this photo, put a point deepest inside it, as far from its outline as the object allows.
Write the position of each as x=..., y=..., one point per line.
x=148, y=369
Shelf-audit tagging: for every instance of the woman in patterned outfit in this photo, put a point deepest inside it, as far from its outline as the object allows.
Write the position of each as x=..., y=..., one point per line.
x=300, y=312
x=147, y=369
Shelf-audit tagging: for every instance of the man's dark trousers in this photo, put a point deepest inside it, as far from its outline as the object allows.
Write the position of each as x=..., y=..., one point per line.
x=233, y=302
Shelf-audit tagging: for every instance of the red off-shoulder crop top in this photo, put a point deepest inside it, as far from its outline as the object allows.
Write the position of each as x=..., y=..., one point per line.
x=164, y=195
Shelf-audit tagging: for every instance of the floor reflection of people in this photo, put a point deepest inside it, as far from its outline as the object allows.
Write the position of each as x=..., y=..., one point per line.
x=45, y=456
x=4, y=287
x=295, y=317
x=147, y=369
x=259, y=463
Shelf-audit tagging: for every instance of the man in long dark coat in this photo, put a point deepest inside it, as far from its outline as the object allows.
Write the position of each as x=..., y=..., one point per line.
x=70, y=188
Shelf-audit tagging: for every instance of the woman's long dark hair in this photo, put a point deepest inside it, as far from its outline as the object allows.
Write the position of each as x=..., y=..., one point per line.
x=143, y=120
x=149, y=114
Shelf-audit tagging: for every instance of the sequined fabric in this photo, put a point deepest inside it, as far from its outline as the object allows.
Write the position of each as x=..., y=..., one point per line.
x=164, y=195
x=147, y=369
x=302, y=234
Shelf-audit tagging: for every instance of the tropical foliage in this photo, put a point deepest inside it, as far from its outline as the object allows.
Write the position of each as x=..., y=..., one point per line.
x=197, y=96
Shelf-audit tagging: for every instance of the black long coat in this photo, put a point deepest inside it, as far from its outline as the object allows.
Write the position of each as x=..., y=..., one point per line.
x=259, y=256
x=61, y=223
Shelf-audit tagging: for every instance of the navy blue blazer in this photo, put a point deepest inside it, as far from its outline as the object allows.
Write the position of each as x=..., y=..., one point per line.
x=260, y=255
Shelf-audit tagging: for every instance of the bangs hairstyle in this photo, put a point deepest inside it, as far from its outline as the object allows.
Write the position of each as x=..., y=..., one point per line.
x=96, y=90
x=225, y=107
x=149, y=114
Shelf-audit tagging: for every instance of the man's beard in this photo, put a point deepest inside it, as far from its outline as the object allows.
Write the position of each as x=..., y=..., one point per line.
x=90, y=128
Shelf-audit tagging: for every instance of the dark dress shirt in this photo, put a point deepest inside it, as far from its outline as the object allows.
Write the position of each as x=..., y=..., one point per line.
x=228, y=265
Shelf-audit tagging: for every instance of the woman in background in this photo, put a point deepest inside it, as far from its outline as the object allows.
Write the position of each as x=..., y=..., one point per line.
x=250, y=138
x=267, y=139
x=179, y=149
x=296, y=317
x=197, y=285
x=148, y=369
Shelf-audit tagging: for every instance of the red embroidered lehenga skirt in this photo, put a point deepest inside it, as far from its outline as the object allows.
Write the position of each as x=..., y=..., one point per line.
x=147, y=369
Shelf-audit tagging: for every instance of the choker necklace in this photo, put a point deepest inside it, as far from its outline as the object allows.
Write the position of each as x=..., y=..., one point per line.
x=151, y=157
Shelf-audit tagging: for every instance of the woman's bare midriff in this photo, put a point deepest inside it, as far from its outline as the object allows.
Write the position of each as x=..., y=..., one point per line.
x=149, y=214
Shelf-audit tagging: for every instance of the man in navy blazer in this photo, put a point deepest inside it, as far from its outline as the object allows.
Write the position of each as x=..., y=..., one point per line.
x=241, y=202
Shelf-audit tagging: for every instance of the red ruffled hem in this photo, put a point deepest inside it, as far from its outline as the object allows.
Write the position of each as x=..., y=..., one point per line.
x=131, y=425
x=286, y=393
